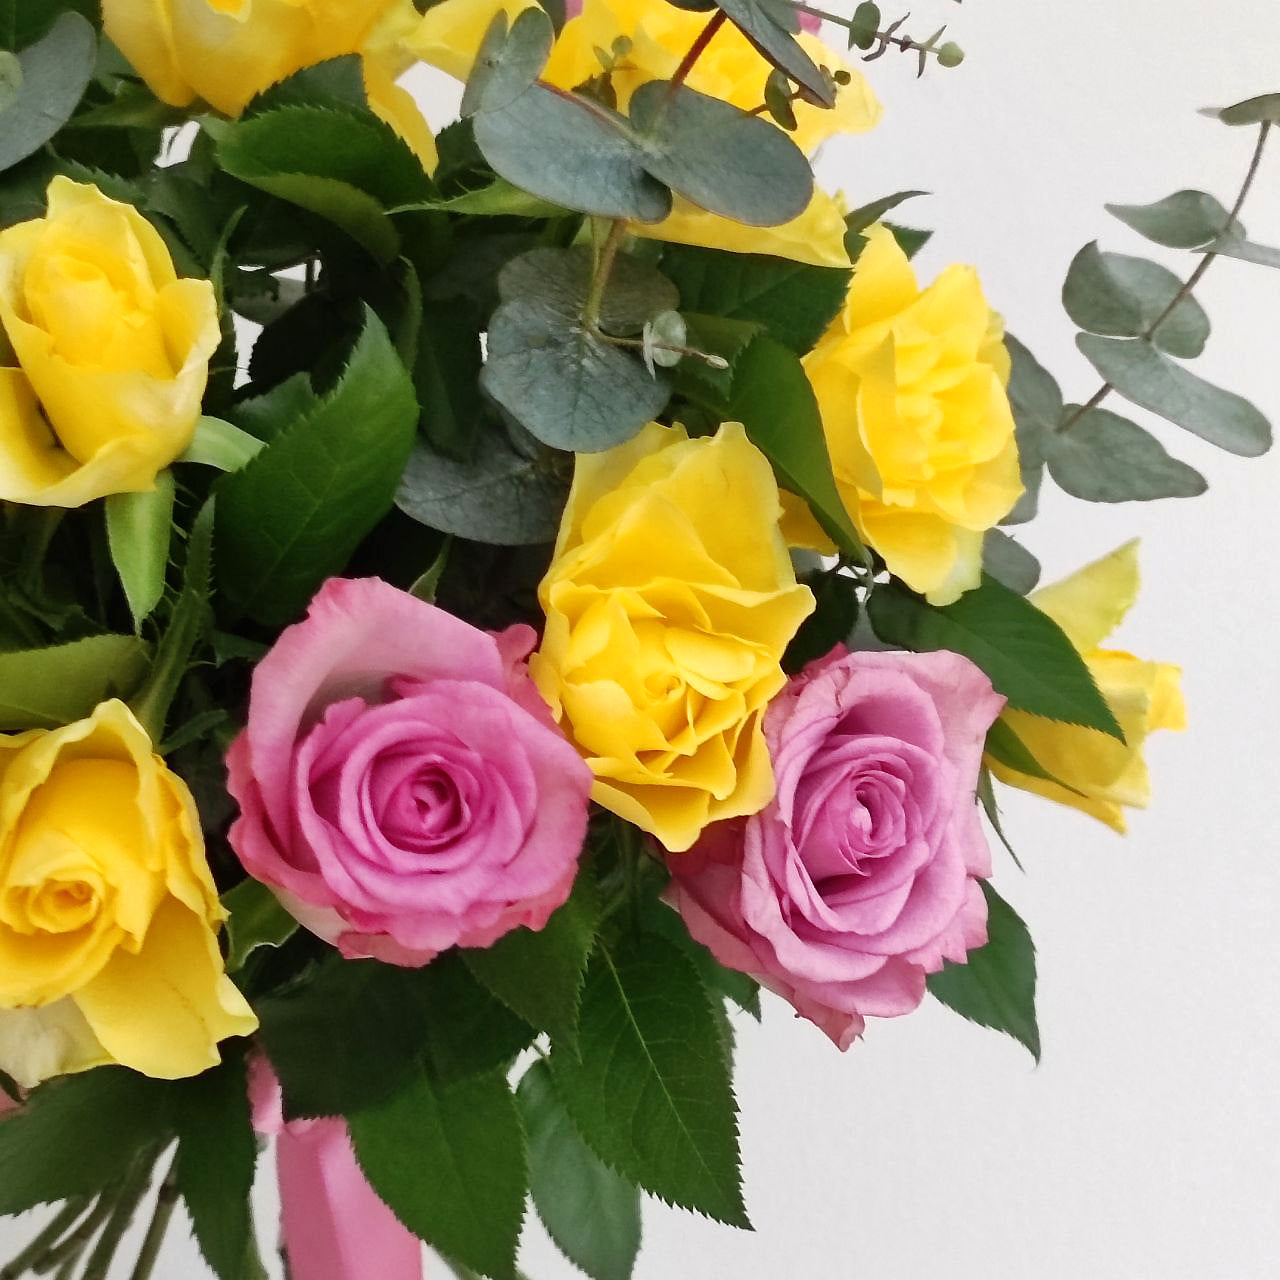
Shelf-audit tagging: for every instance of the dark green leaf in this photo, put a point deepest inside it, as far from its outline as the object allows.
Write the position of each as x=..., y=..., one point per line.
x=446, y=374
x=651, y=1093
x=794, y=301
x=868, y=214
x=1106, y=458
x=1184, y=220
x=1023, y=651
x=47, y=688
x=1110, y=294
x=257, y=920
x=1004, y=746
x=217, y=1154
x=910, y=239
x=508, y=62
x=591, y=1213
x=997, y=988
x=273, y=412
x=450, y=1162
x=771, y=27
x=832, y=621
x=294, y=515
x=1009, y=562
x=139, y=528
x=54, y=74
x=539, y=975
x=1142, y=374
x=721, y=158
x=335, y=82
x=987, y=799
x=720, y=983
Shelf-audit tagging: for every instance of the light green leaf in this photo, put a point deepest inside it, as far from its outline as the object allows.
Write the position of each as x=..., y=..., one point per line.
x=256, y=920
x=721, y=158
x=1184, y=220
x=222, y=445
x=1118, y=296
x=450, y=1162
x=591, y=1213
x=1264, y=109
x=771, y=27
x=1009, y=562
x=499, y=199
x=139, y=529
x=293, y=516
x=997, y=987
x=651, y=1093
x=1023, y=651
x=1106, y=458
x=1142, y=374
x=47, y=688
x=55, y=71
x=507, y=63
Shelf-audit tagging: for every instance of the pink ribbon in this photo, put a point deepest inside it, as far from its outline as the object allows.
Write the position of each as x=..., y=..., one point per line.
x=335, y=1227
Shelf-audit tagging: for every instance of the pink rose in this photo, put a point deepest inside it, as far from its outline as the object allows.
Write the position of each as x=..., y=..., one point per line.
x=402, y=786
x=862, y=874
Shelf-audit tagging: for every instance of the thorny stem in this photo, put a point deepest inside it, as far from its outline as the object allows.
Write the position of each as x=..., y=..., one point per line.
x=1188, y=285
x=166, y=1201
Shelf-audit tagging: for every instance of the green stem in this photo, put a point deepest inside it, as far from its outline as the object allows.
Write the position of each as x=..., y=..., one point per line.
x=75, y=1244
x=905, y=43
x=63, y=1222
x=135, y=1187
x=1188, y=285
x=600, y=278
x=166, y=1202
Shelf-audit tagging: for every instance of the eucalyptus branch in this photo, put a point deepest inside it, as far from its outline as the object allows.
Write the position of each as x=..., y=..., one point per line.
x=600, y=277
x=1188, y=285
x=880, y=42
x=696, y=50
x=694, y=353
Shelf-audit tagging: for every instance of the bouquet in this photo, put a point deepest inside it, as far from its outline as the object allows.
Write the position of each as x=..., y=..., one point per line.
x=484, y=608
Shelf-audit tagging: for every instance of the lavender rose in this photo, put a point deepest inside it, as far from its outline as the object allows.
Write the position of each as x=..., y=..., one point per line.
x=861, y=876
x=403, y=788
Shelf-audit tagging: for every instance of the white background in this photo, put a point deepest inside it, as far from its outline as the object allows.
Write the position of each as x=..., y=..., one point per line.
x=1147, y=1144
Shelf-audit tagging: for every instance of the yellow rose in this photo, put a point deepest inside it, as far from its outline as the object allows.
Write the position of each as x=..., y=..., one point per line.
x=669, y=603
x=911, y=385
x=113, y=351
x=108, y=949
x=1144, y=696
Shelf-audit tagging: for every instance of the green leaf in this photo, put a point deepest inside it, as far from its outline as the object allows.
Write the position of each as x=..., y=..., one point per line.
x=499, y=199
x=869, y=214
x=10, y=78
x=217, y=1155
x=450, y=1162
x=269, y=414
x=507, y=63
x=910, y=239
x=773, y=399
x=512, y=494
x=1117, y=296
x=832, y=621
x=1023, y=651
x=1107, y=458
x=446, y=375
x=139, y=529
x=55, y=71
x=987, y=799
x=79, y=1134
x=539, y=975
x=591, y=1213
x=1004, y=746
x=1264, y=109
x=47, y=688
x=719, y=981
x=997, y=987
x=222, y=445
x=334, y=82
x=1036, y=401
x=256, y=920
x=1234, y=245
x=293, y=516
x=724, y=160
x=1142, y=374
x=794, y=301
x=564, y=383
x=1184, y=220
x=651, y=1093
x=771, y=27
x=573, y=152
x=1009, y=562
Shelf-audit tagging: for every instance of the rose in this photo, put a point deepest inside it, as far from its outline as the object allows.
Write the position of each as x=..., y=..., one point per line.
x=1102, y=775
x=402, y=787
x=911, y=385
x=108, y=913
x=669, y=603
x=113, y=351
x=861, y=875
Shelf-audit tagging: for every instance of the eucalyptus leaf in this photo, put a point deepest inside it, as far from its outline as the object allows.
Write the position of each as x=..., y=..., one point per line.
x=508, y=62
x=1234, y=245
x=1184, y=220
x=1123, y=297
x=139, y=530
x=1036, y=401
x=771, y=25
x=1264, y=109
x=10, y=78
x=1103, y=457
x=1142, y=374
x=1009, y=562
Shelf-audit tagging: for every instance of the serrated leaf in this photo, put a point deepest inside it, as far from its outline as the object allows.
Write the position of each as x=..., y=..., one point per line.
x=539, y=975
x=1103, y=457
x=1118, y=296
x=591, y=1213
x=217, y=1156
x=79, y=1134
x=997, y=987
x=864, y=216
x=720, y=982
x=1004, y=746
x=987, y=799
x=794, y=301
x=256, y=920
x=1023, y=652
x=55, y=71
x=771, y=27
x=910, y=239
x=651, y=1093
x=1142, y=374
x=1036, y=401
x=334, y=82
x=1184, y=220
x=724, y=160
x=450, y=1163
x=47, y=688
x=139, y=529
x=293, y=516
x=1009, y=562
